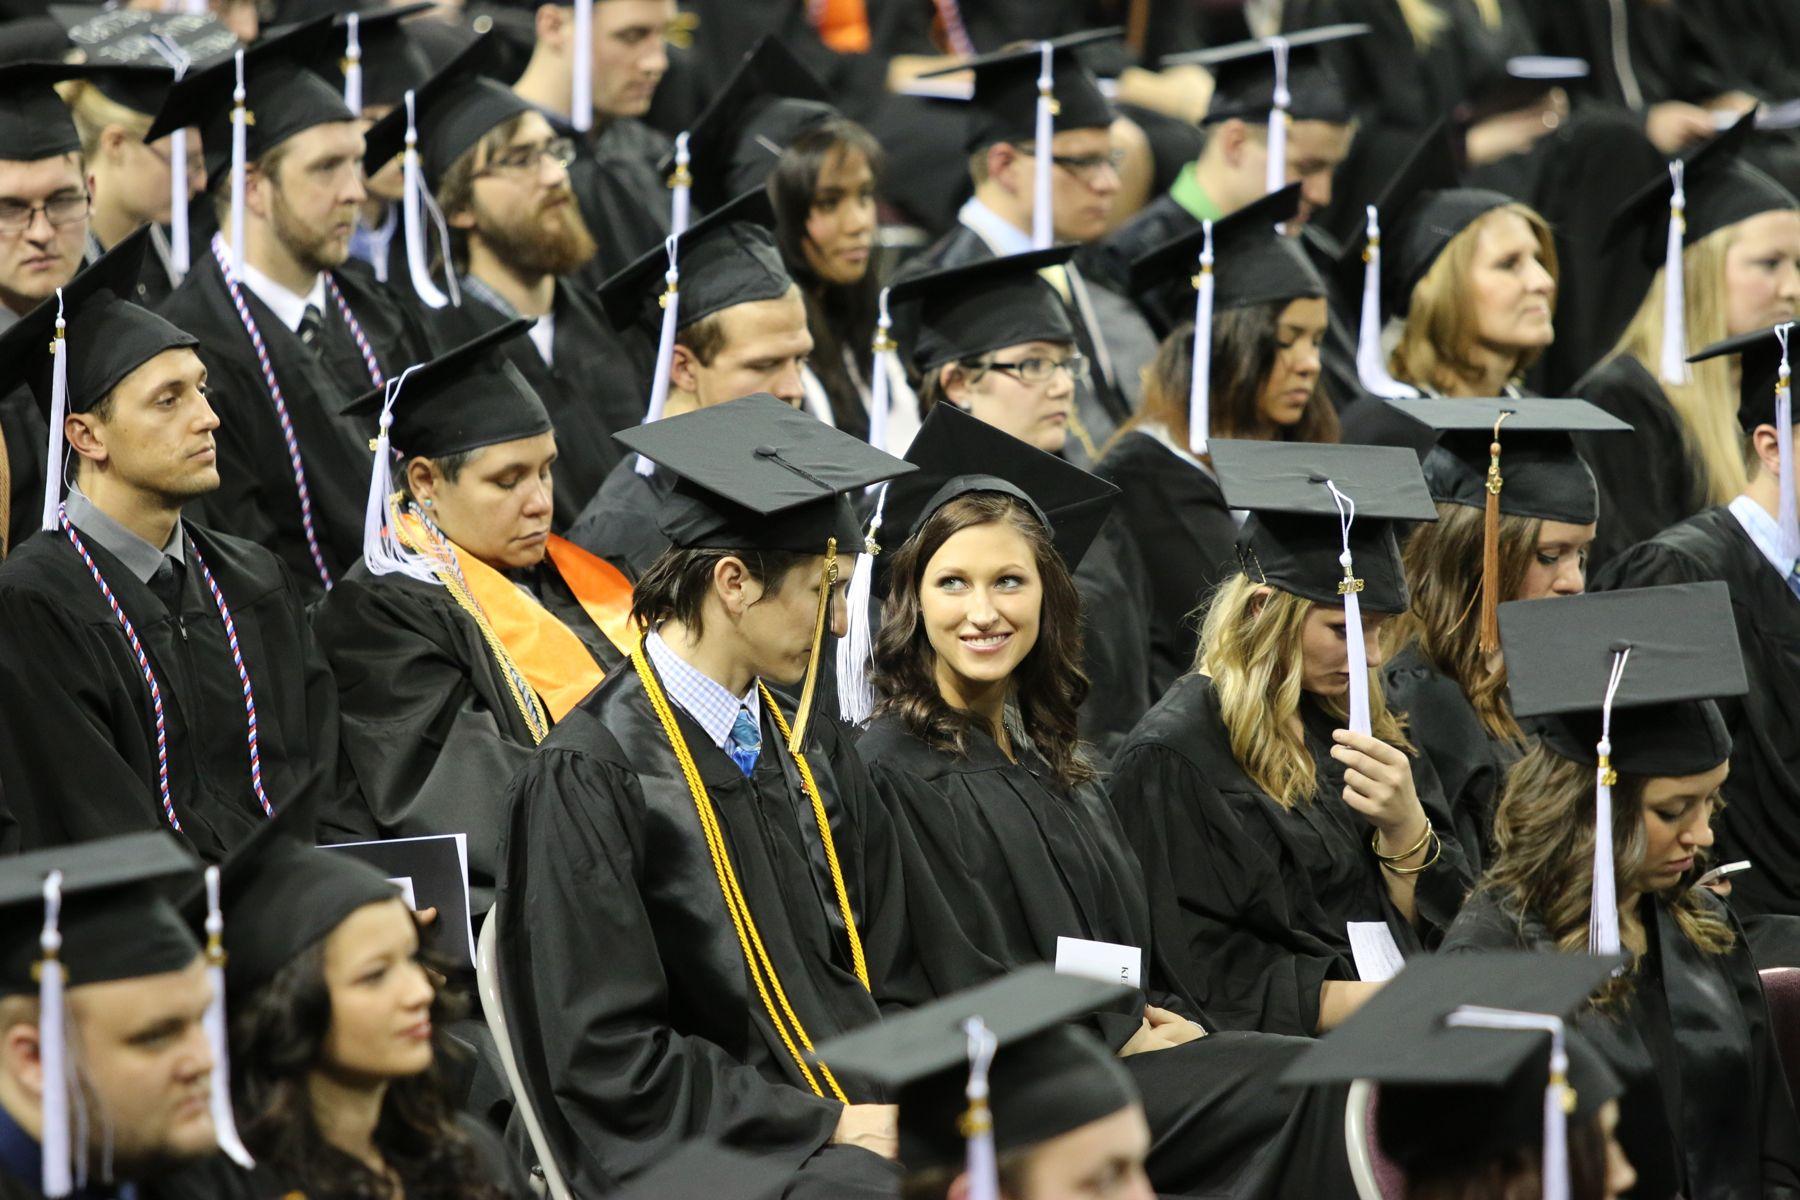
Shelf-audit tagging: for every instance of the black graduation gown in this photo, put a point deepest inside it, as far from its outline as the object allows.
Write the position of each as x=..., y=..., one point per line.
x=27, y=437
x=257, y=498
x=623, y=522
x=1185, y=536
x=617, y=952
x=1249, y=900
x=1648, y=481
x=1706, y=1110
x=591, y=387
x=1108, y=262
x=1000, y=862
x=1470, y=763
x=1115, y=645
x=77, y=741
x=623, y=198
x=1763, y=788
x=431, y=729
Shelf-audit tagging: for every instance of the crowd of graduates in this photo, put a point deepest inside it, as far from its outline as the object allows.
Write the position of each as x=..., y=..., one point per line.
x=1041, y=599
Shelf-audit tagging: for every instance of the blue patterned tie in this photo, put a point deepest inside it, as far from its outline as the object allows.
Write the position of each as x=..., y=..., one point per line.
x=1793, y=579
x=745, y=742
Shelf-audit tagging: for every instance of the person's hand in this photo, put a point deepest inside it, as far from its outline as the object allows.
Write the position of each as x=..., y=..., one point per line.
x=1378, y=783
x=905, y=69
x=1159, y=1030
x=874, y=1127
x=1182, y=92
x=1505, y=134
x=1674, y=125
x=1736, y=103
x=426, y=917
x=1340, y=998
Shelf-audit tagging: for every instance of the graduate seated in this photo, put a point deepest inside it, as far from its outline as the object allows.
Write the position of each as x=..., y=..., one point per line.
x=1444, y=670
x=1749, y=544
x=733, y=325
x=1295, y=844
x=1485, y=1089
x=154, y=674
x=700, y=885
x=1000, y=1095
x=105, y=1065
x=499, y=174
x=1602, y=831
x=469, y=629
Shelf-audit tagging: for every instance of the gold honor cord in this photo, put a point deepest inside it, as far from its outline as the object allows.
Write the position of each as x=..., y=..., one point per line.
x=756, y=957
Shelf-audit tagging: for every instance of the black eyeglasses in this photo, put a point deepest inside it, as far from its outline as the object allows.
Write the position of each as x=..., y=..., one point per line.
x=64, y=208
x=1085, y=167
x=1040, y=371
x=521, y=160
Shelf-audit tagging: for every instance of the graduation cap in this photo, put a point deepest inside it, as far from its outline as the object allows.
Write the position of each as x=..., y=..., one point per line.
x=1514, y=456
x=1026, y=95
x=768, y=102
x=1475, y=1059
x=983, y=306
x=34, y=122
x=708, y=1169
x=146, y=47
x=999, y=1062
x=1705, y=190
x=381, y=63
x=1518, y=82
x=1765, y=397
x=1237, y=261
x=1625, y=681
x=76, y=346
x=1322, y=528
x=91, y=912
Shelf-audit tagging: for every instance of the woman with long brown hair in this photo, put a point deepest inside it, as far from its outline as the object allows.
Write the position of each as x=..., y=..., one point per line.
x=1623, y=688
x=1445, y=670
x=1286, y=827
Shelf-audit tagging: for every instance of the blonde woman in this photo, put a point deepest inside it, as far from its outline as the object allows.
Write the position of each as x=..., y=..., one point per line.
x=1269, y=833
x=1740, y=264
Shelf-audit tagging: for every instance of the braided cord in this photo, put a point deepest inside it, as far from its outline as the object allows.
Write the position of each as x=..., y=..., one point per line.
x=756, y=958
x=356, y=332
x=831, y=856
x=243, y=672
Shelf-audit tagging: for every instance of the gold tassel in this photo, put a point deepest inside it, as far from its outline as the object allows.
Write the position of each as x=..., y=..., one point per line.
x=1490, y=547
x=828, y=574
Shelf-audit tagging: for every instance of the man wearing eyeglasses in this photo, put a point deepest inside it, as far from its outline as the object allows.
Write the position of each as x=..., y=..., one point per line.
x=500, y=173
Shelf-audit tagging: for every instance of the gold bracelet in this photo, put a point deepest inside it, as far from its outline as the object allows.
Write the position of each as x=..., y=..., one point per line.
x=1375, y=845
x=1436, y=852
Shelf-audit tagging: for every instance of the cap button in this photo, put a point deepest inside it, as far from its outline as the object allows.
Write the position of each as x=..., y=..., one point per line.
x=1315, y=477
x=767, y=452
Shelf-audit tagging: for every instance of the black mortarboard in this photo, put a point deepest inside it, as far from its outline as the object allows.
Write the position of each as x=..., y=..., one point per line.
x=453, y=110
x=726, y=258
x=34, y=122
x=757, y=474
x=1006, y=90
x=390, y=60
x=1253, y=262
x=284, y=96
x=1684, y=655
x=128, y=39
x=733, y=145
x=281, y=895
x=1541, y=475
x=980, y=307
x=464, y=399
x=1760, y=364
x=1244, y=76
x=956, y=454
x=1293, y=538
x=107, y=337
x=1508, y=85
x=1456, y=1096
x=1047, y=1078
x=708, y=1169
x=118, y=919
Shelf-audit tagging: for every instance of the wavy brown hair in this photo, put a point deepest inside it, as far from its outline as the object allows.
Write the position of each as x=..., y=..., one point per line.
x=1443, y=564
x=1048, y=685
x=1544, y=852
x=1250, y=646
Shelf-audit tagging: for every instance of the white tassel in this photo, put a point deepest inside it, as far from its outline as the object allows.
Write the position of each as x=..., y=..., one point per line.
x=681, y=186
x=1371, y=368
x=581, y=86
x=413, y=201
x=1603, y=903
x=1559, y=1100
x=1787, y=515
x=240, y=121
x=179, y=252
x=1348, y=588
x=1275, y=177
x=981, y=1164
x=881, y=380
x=59, y=410
x=1674, y=368
x=353, y=79
x=1200, y=379
x=53, y=1046
x=382, y=549
x=665, y=347
x=224, y=1123
x=1043, y=212
x=856, y=649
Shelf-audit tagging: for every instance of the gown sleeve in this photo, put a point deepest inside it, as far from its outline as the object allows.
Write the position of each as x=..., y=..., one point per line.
x=1223, y=934
x=616, y=1084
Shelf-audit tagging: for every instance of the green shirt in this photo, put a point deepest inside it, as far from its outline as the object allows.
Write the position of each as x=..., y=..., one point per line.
x=1188, y=193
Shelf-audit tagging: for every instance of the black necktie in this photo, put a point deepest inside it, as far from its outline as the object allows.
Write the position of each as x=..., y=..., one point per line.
x=312, y=324
x=166, y=584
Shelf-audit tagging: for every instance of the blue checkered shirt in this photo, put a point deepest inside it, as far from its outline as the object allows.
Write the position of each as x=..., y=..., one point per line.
x=702, y=698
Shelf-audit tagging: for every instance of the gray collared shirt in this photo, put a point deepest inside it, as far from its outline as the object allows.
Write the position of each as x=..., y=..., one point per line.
x=139, y=556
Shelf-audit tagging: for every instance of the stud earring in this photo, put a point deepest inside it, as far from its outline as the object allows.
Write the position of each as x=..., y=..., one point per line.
x=426, y=502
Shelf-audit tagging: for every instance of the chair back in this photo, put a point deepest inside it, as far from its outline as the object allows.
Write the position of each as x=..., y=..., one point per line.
x=1781, y=991
x=1376, y=1176
x=487, y=983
